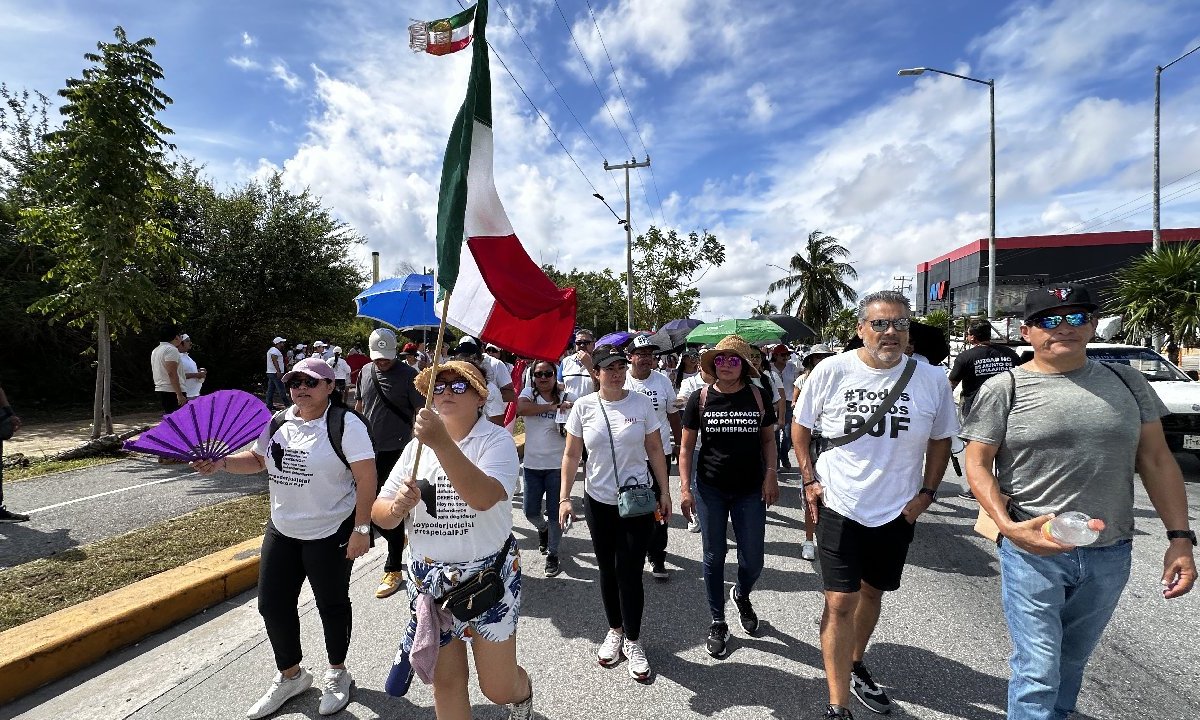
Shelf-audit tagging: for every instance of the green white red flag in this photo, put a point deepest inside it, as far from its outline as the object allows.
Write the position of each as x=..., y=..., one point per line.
x=497, y=292
x=444, y=36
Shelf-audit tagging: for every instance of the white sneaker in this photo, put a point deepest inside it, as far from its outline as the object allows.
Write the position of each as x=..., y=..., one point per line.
x=694, y=525
x=609, y=653
x=808, y=550
x=282, y=689
x=639, y=666
x=335, y=690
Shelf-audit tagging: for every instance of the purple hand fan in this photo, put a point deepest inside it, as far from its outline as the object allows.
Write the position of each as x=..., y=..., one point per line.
x=210, y=427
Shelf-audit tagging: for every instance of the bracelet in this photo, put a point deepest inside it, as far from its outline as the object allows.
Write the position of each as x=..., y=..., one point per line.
x=811, y=482
x=564, y=500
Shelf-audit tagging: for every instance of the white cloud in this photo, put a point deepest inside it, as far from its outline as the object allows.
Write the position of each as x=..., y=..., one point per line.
x=242, y=62
x=760, y=108
x=248, y=40
x=279, y=71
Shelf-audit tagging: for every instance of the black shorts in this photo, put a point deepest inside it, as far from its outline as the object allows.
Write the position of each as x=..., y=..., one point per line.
x=170, y=403
x=852, y=553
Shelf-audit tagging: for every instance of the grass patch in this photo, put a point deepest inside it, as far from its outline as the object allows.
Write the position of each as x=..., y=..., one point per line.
x=40, y=587
x=37, y=469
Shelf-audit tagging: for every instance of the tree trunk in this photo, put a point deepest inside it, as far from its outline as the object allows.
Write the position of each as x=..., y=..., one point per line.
x=102, y=403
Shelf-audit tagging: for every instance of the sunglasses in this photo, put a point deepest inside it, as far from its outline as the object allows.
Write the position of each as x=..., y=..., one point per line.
x=733, y=361
x=295, y=383
x=583, y=343
x=543, y=374
x=901, y=324
x=458, y=387
x=1049, y=322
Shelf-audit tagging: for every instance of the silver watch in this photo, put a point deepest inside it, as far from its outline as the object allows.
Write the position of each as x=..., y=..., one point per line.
x=363, y=529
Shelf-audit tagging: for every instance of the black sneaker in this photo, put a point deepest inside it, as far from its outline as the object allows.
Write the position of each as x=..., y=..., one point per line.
x=746, y=615
x=552, y=567
x=867, y=692
x=7, y=516
x=543, y=538
x=967, y=495
x=837, y=712
x=718, y=639
x=659, y=571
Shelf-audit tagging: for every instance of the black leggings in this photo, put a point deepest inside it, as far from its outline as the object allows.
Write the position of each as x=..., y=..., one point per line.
x=620, y=545
x=284, y=564
x=385, y=460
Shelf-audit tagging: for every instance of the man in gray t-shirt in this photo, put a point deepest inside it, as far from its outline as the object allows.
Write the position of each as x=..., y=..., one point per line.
x=1065, y=433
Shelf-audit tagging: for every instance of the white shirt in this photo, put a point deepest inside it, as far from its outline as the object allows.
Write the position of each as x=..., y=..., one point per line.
x=787, y=375
x=165, y=352
x=191, y=386
x=494, y=405
x=275, y=352
x=341, y=368
x=497, y=371
x=871, y=479
x=459, y=534
x=661, y=392
x=690, y=384
x=577, y=378
x=632, y=419
x=544, y=445
x=312, y=492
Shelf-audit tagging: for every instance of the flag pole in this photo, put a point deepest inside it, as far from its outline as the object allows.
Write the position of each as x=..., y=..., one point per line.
x=433, y=371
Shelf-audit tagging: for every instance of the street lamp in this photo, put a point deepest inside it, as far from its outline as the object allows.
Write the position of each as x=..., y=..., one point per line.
x=1156, y=242
x=991, y=290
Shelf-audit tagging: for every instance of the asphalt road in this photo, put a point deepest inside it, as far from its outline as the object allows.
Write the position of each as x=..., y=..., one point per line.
x=82, y=506
x=941, y=647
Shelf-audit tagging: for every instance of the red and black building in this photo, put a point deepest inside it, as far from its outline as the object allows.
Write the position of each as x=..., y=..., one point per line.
x=957, y=281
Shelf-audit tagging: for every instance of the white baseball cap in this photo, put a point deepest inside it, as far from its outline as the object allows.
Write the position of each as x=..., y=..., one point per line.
x=278, y=340
x=382, y=344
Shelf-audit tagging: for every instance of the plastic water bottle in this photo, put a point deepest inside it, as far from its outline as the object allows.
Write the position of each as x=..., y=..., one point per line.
x=1073, y=528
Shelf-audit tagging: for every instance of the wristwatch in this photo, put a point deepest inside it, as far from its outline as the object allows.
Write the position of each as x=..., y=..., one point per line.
x=928, y=491
x=363, y=529
x=1182, y=534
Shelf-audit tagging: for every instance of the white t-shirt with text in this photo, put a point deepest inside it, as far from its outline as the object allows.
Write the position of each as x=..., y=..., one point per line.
x=544, y=445
x=661, y=392
x=632, y=419
x=871, y=479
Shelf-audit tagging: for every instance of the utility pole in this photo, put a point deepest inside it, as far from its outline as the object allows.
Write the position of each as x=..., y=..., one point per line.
x=903, y=283
x=633, y=163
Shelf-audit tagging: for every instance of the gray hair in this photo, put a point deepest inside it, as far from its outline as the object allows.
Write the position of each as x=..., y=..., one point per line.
x=888, y=297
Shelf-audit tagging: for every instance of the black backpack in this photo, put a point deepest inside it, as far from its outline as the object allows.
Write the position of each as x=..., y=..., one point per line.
x=335, y=425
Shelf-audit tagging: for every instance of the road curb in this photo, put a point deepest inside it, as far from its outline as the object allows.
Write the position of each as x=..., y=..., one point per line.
x=51, y=647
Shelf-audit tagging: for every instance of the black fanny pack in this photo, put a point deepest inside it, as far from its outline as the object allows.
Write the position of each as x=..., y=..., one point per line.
x=472, y=597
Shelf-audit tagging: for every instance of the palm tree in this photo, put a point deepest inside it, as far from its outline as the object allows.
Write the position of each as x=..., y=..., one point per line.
x=766, y=307
x=817, y=284
x=1159, y=292
x=842, y=325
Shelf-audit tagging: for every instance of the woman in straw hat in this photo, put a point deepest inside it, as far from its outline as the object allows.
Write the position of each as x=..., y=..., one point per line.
x=456, y=505
x=735, y=478
x=621, y=431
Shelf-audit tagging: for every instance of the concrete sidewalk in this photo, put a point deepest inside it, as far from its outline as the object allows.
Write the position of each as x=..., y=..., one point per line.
x=941, y=648
x=41, y=439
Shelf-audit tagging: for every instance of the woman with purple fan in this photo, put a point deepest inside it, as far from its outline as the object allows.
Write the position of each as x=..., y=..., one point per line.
x=321, y=496
x=456, y=502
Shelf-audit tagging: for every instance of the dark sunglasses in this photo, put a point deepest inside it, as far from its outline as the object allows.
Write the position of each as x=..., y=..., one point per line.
x=732, y=361
x=543, y=374
x=458, y=387
x=295, y=383
x=1050, y=322
x=581, y=343
x=901, y=324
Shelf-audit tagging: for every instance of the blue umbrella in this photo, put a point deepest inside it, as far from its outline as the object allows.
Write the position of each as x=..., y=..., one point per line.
x=616, y=339
x=688, y=324
x=405, y=302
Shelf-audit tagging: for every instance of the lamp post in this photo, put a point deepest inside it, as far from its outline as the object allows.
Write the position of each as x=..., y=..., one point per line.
x=991, y=289
x=1156, y=242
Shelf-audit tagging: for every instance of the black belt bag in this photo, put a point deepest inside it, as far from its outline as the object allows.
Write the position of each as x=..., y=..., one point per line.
x=473, y=596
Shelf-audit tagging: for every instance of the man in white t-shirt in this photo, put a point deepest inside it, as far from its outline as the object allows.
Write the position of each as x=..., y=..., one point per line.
x=869, y=491
x=785, y=369
x=276, y=367
x=643, y=378
x=164, y=368
x=578, y=373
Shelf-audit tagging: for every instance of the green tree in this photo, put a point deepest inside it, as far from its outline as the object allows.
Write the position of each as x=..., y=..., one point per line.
x=817, y=285
x=600, y=297
x=766, y=307
x=666, y=268
x=1159, y=292
x=843, y=325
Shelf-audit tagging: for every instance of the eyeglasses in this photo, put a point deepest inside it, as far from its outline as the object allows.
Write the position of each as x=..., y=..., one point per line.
x=295, y=383
x=1050, y=322
x=583, y=343
x=901, y=324
x=458, y=387
x=732, y=361
x=543, y=374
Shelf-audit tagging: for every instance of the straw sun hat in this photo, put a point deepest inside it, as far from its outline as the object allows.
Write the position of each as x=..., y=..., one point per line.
x=729, y=344
x=463, y=369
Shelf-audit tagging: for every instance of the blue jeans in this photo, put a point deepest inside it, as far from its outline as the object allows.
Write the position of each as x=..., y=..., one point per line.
x=546, y=484
x=275, y=385
x=748, y=514
x=1057, y=607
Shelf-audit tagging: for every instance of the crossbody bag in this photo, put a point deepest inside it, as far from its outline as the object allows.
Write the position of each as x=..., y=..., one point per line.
x=407, y=418
x=879, y=413
x=475, y=595
x=633, y=500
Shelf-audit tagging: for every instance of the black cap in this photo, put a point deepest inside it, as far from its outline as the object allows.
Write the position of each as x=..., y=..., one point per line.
x=1042, y=300
x=606, y=355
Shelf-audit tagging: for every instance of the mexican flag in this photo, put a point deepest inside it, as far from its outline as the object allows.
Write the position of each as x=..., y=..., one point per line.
x=497, y=292
x=442, y=37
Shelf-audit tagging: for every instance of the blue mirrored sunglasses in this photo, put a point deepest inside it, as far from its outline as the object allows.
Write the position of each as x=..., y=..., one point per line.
x=458, y=387
x=1050, y=322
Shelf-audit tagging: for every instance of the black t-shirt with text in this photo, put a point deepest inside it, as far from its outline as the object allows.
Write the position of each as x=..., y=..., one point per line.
x=731, y=458
x=976, y=365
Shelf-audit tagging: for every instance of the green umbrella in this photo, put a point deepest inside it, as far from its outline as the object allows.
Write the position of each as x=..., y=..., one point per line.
x=751, y=330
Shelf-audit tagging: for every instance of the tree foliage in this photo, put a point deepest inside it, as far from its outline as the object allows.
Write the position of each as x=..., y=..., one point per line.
x=843, y=325
x=666, y=268
x=766, y=307
x=816, y=287
x=600, y=297
x=1159, y=292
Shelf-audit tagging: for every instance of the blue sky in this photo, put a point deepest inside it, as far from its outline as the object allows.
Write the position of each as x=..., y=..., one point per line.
x=764, y=121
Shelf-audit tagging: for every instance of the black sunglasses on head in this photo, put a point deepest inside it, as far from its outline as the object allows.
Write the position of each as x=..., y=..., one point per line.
x=295, y=383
